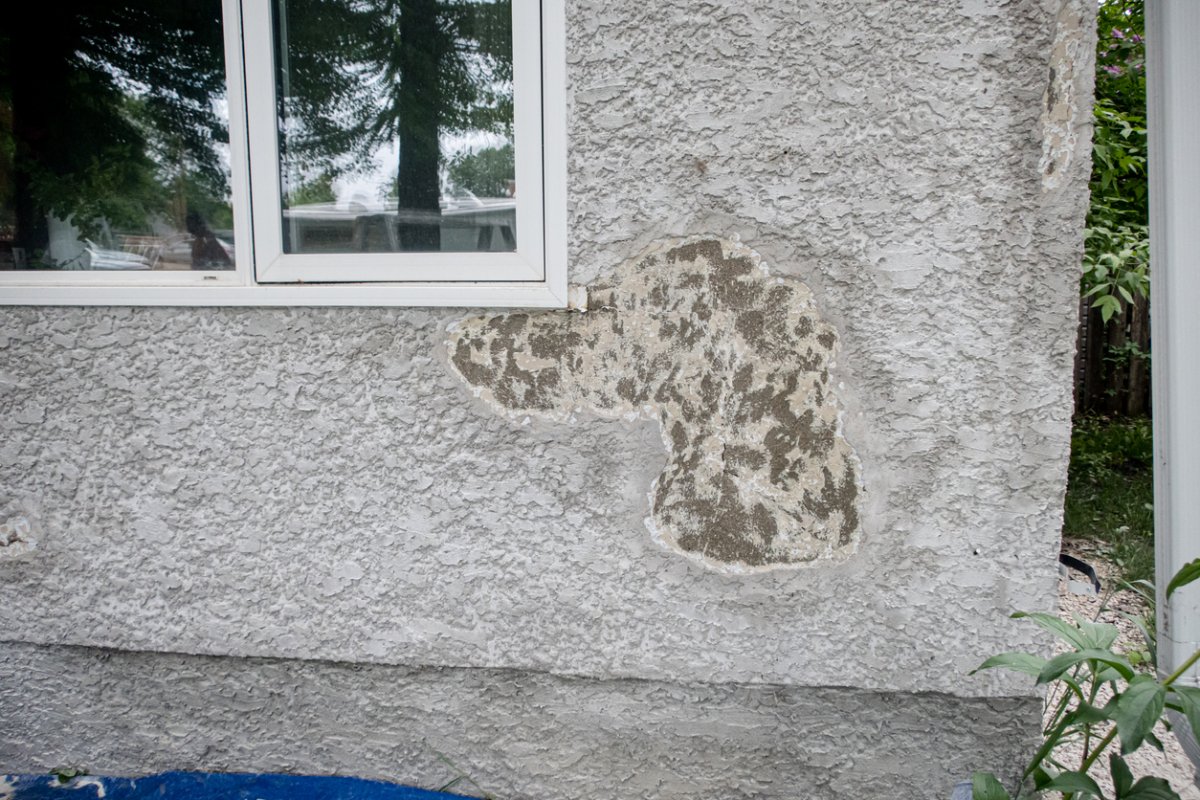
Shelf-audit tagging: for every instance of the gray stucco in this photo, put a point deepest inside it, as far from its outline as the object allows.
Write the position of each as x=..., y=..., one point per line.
x=518, y=735
x=318, y=484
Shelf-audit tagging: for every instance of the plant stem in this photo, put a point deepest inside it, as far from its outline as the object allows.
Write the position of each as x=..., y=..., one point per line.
x=1105, y=742
x=1184, y=667
x=1112, y=734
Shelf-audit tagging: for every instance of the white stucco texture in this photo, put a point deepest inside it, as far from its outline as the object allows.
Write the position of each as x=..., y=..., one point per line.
x=321, y=484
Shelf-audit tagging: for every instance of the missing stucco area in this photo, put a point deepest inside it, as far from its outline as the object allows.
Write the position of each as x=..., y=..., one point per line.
x=17, y=535
x=732, y=362
x=1071, y=59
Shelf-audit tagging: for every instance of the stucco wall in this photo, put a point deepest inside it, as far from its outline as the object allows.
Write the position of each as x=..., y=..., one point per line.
x=321, y=484
x=516, y=734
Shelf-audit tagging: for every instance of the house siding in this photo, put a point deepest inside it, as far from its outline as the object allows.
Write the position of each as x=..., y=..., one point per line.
x=220, y=498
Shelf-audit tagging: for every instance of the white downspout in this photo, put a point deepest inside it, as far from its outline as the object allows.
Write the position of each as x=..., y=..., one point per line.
x=1173, y=96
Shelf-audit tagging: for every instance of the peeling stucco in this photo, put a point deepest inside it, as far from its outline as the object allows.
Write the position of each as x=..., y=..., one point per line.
x=1064, y=109
x=18, y=534
x=733, y=363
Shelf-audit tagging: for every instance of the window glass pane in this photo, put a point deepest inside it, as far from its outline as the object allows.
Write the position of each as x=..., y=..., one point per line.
x=114, y=137
x=395, y=125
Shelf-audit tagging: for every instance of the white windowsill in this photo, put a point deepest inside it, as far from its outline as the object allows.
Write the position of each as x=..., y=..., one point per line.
x=510, y=295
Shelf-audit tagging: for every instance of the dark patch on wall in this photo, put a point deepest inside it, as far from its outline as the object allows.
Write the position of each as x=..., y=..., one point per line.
x=735, y=366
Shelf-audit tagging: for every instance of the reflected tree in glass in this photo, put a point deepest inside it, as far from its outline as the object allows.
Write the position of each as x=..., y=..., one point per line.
x=111, y=115
x=354, y=75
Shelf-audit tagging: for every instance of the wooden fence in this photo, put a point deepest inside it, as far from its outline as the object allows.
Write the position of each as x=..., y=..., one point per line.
x=1112, y=365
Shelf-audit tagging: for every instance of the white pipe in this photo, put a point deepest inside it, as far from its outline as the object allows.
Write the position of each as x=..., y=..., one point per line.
x=1173, y=55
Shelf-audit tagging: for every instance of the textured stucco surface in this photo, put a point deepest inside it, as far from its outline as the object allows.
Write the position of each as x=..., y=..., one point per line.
x=319, y=484
x=517, y=734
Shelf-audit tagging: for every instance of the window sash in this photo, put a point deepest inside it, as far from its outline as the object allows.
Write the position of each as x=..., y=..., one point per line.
x=240, y=196
x=273, y=265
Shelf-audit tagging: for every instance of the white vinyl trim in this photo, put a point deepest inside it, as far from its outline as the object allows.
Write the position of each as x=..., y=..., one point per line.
x=1173, y=28
x=462, y=294
x=239, y=155
x=554, y=145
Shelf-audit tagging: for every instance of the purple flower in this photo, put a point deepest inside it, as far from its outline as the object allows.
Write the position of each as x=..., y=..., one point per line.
x=1118, y=33
x=1111, y=70
x=1135, y=39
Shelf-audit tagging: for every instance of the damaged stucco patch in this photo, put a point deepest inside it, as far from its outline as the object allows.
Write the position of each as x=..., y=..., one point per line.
x=18, y=529
x=735, y=366
x=1072, y=56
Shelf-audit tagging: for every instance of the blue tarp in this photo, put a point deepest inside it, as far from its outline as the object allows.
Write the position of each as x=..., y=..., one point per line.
x=210, y=786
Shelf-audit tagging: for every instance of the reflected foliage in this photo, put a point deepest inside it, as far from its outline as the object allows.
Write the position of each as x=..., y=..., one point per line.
x=485, y=172
x=356, y=74
x=110, y=112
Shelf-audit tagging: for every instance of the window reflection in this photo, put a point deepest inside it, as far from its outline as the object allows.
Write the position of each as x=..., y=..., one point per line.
x=396, y=125
x=114, y=137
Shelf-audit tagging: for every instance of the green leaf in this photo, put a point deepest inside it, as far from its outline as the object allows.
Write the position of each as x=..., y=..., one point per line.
x=1050, y=741
x=1075, y=783
x=1088, y=714
x=68, y=774
x=984, y=786
x=1109, y=675
x=1136, y=710
x=1188, y=573
x=1151, y=789
x=1108, y=305
x=1122, y=778
x=1066, y=632
x=1189, y=701
x=1064, y=661
x=1151, y=643
x=1099, y=636
x=1019, y=662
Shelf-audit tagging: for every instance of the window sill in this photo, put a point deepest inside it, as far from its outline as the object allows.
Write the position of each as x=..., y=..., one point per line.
x=506, y=295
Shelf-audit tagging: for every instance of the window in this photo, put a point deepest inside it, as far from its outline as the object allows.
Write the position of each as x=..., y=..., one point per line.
x=267, y=152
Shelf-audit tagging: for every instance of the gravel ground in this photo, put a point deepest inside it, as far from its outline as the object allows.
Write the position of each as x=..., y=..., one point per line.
x=1172, y=764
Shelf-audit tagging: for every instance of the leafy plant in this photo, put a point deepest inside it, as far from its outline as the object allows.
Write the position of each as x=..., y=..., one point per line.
x=1116, y=266
x=1117, y=245
x=1077, y=677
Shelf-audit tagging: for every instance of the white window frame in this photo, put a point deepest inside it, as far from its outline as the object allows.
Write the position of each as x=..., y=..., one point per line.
x=535, y=276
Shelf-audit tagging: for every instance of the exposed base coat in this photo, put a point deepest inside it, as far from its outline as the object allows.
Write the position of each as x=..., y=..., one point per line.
x=735, y=366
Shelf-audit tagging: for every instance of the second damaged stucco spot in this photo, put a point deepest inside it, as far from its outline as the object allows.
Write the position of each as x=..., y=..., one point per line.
x=733, y=363
x=1071, y=56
